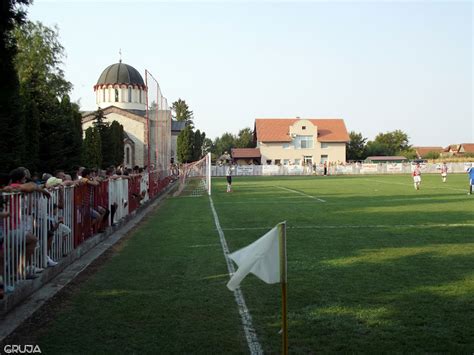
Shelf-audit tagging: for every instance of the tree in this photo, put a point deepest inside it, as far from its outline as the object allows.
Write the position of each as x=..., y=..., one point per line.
x=197, y=146
x=40, y=55
x=185, y=145
x=32, y=129
x=374, y=148
x=355, y=150
x=431, y=155
x=11, y=116
x=53, y=127
x=224, y=144
x=182, y=112
x=206, y=145
x=117, y=146
x=393, y=143
x=245, y=138
x=92, y=155
x=105, y=138
x=72, y=137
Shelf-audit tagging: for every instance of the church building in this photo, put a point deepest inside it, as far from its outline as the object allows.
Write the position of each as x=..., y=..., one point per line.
x=150, y=135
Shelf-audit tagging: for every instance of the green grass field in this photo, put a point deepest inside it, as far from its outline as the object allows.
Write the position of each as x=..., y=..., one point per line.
x=373, y=266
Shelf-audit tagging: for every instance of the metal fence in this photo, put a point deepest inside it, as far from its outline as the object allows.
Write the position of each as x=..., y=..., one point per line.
x=337, y=169
x=38, y=231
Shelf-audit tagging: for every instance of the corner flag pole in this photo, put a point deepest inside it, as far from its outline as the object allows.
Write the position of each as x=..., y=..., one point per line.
x=283, y=281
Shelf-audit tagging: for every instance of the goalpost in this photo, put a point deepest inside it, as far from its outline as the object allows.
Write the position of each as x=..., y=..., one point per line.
x=195, y=177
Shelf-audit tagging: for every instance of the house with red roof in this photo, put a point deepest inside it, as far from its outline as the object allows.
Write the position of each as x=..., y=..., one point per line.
x=246, y=156
x=422, y=152
x=458, y=149
x=466, y=148
x=299, y=141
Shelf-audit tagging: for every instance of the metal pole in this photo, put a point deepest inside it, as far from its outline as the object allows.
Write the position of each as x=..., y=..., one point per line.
x=283, y=281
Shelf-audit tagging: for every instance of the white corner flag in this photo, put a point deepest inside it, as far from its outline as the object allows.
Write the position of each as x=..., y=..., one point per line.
x=261, y=258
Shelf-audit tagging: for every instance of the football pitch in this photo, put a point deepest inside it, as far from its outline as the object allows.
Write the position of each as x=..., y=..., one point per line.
x=373, y=266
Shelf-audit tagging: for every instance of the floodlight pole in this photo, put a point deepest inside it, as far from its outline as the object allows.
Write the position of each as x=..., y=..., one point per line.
x=283, y=281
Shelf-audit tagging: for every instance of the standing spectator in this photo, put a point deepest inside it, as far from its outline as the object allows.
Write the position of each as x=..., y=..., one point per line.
x=325, y=168
x=417, y=176
x=470, y=171
x=25, y=226
x=97, y=215
x=444, y=171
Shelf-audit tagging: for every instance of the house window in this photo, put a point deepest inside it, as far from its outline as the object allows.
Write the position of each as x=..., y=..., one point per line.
x=308, y=160
x=324, y=158
x=286, y=145
x=305, y=142
x=116, y=95
x=269, y=162
x=129, y=94
x=303, y=127
x=324, y=145
x=286, y=161
x=297, y=161
x=277, y=161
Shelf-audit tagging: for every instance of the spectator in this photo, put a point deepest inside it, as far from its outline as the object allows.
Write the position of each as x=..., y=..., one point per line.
x=23, y=230
x=97, y=215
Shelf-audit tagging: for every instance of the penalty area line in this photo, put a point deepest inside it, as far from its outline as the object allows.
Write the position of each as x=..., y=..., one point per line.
x=301, y=193
x=354, y=226
x=249, y=330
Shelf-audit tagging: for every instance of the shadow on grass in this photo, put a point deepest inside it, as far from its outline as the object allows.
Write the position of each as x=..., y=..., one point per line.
x=409, y=299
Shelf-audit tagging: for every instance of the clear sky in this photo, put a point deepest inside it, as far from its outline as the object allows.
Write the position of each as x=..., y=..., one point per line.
x=379, y=65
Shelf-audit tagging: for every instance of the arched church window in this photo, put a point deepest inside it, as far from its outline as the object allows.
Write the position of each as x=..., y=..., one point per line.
x=116, y=95
x=103, y=95
x=127, y=156
x=140, y=97
x=129, y=94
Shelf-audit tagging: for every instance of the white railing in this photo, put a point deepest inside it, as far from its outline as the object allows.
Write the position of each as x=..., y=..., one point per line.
x=337, y=169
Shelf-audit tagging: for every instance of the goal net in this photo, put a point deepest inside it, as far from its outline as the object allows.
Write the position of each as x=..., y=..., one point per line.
x=195, y=178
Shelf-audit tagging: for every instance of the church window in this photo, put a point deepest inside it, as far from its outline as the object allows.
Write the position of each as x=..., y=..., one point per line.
x=116, y=95
x=127, y=155
x=140, y=97
x=129, y=94
x=103, y=95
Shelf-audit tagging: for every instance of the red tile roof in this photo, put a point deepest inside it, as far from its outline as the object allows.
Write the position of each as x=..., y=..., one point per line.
x=238, y=153
x=451, y=148
x=468, y=147
x=422, y=151
x=277, y=129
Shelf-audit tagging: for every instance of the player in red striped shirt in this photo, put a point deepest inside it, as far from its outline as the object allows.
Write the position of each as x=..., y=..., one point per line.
x=417, y=176
x=444, y=172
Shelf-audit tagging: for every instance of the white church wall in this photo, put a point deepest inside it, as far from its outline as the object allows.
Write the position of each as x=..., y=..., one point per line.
x=123, y=98
x=135, y=130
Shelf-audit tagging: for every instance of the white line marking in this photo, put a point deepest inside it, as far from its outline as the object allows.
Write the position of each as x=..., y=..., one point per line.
x=301, y=193
x=411, y=184
x=203, y=245
x=250, y=334
x=349, y=226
